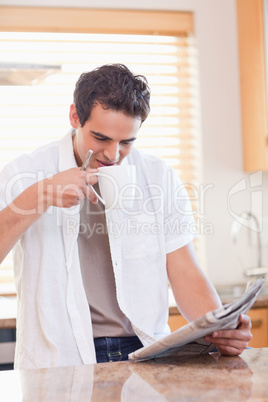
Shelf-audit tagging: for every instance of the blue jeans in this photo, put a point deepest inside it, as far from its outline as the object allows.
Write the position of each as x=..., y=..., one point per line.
x=115, y=349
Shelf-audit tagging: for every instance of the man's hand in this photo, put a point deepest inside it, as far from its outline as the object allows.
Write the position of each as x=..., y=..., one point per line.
x=233, y=341
x=64, y=189
x=70, y=187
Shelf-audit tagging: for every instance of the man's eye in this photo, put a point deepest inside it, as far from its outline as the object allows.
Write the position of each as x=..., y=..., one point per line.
x=100, y=139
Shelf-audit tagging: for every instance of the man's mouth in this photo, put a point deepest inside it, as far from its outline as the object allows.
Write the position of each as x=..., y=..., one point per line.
x=101, y=164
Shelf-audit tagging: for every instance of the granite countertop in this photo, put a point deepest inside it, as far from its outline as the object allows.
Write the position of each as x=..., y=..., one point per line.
x=210, y=377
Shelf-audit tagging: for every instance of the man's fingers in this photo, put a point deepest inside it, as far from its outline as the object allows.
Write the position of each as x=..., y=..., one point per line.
x=91, y=178
x=230, y=350
x=229, y=335
x=236, y=343
x=233, y=341
x=244, y=321
x=228, y=346
x=89, y=193
x=242, y=332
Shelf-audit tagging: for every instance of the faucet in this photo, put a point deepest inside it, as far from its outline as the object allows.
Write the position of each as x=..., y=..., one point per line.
x=259, y=270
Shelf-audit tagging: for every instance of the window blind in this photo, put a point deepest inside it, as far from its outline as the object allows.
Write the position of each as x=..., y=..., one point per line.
x=34, y=115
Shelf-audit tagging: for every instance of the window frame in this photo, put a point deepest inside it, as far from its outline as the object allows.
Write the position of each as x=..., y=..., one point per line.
x=87, y=20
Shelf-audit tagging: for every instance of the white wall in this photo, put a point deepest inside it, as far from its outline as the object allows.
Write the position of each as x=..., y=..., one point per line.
x=215, y=22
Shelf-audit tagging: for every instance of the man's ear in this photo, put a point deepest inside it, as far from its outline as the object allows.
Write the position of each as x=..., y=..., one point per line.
x=73, y=117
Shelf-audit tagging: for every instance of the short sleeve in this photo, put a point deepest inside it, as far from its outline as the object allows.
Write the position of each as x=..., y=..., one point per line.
x=15, y=178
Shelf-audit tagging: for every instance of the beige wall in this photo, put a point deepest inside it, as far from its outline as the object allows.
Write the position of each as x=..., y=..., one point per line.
x=215, y=22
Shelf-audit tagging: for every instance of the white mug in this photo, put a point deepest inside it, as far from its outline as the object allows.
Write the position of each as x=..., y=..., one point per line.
x=117, y=186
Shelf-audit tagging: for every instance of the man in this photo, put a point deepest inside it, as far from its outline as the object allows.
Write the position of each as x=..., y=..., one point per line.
x=87, y=294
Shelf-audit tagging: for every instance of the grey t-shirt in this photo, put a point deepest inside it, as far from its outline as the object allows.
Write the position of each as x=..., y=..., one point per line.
x=97, y=273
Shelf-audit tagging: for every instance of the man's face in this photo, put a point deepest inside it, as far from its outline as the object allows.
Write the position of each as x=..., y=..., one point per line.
x=109, y=133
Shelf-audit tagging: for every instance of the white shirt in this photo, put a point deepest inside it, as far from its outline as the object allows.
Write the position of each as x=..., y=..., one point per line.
x=53, y=323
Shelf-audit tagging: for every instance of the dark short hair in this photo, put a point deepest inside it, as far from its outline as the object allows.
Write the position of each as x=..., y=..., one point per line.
x=115, y=87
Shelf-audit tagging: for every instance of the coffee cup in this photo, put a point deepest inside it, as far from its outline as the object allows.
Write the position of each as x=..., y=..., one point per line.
x=117, y=186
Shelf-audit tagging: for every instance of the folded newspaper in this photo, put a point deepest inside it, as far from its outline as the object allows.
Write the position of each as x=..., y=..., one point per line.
x=189, y=339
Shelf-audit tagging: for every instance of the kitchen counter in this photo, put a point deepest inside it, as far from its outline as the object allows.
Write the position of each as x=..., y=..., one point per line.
x=261, y=302
x=8, y=308
x=8, y=311
x=228, y=294
x=210, y=377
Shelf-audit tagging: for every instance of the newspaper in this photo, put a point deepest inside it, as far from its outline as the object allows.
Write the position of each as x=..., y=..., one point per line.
x=189, y=339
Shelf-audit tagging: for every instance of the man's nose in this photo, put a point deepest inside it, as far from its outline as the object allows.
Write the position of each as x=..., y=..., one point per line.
x=111, y=152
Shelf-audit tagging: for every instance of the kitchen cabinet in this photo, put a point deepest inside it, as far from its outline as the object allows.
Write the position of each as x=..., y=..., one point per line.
x=259, y=320
x=253, y=89
x=176, y=320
